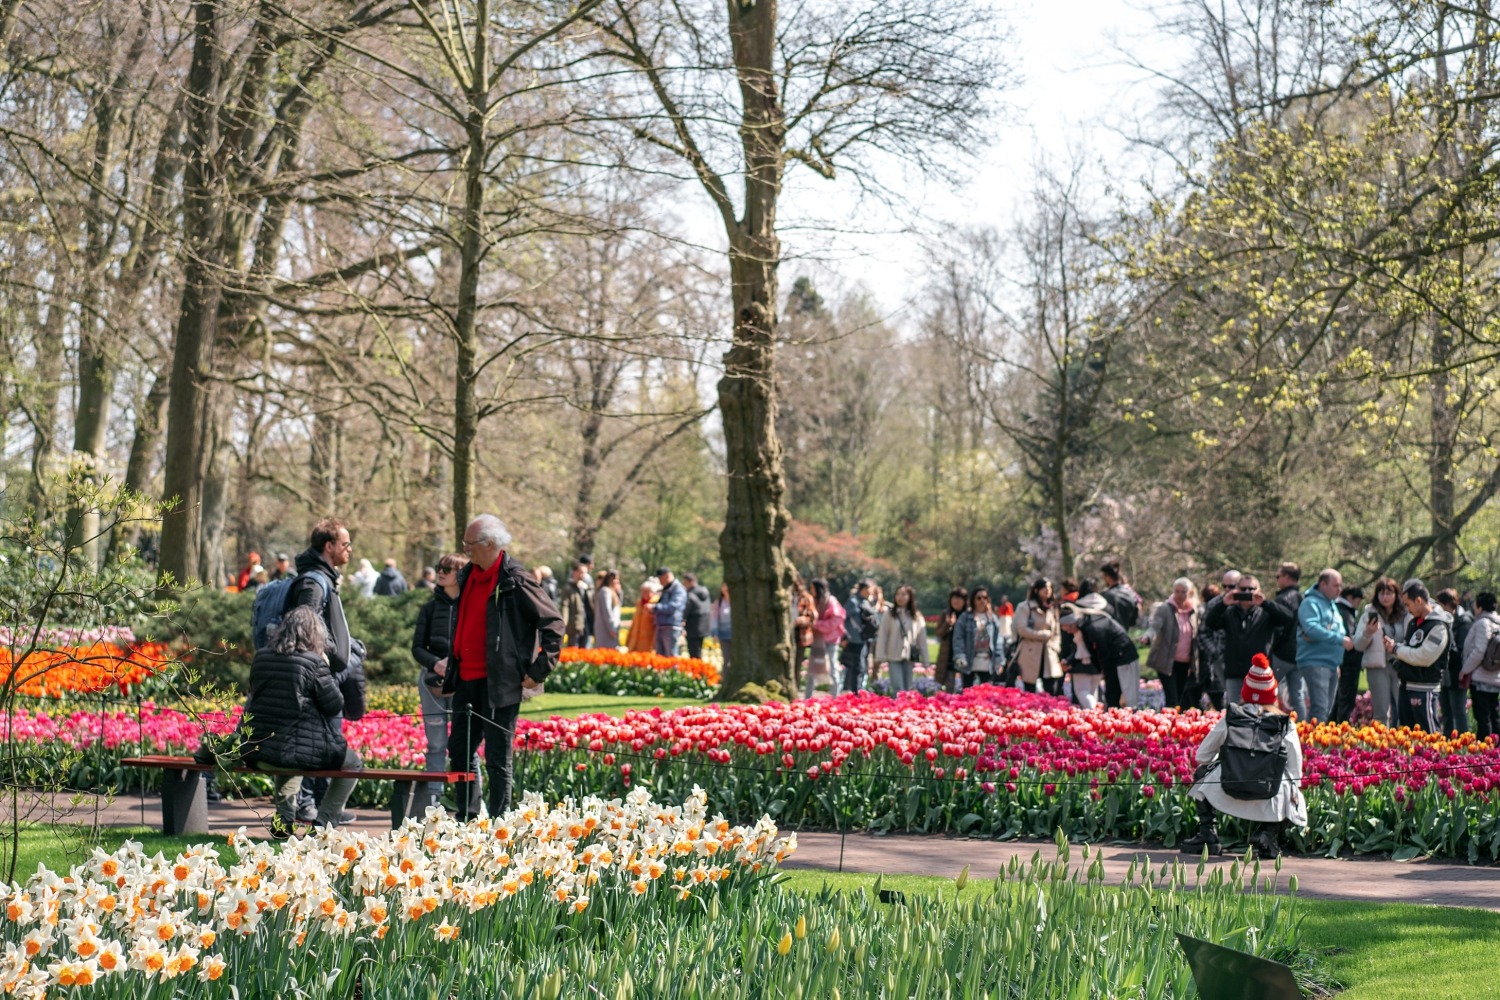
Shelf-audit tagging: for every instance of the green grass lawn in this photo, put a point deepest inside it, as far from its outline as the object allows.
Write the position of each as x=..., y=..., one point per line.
x=571, y=705
x=1380, y=951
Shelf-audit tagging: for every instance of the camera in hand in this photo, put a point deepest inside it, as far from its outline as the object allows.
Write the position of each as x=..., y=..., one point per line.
x=1244, y=595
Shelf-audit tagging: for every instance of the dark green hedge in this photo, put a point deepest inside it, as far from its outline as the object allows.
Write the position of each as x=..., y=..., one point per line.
x=216, y=625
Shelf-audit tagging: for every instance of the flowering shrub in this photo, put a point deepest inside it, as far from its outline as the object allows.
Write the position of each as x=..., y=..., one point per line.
x=494, y=902
x=618, y=671
x=78, y=661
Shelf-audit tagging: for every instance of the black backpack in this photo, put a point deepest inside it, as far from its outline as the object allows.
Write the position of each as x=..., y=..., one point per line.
x=1252, y=762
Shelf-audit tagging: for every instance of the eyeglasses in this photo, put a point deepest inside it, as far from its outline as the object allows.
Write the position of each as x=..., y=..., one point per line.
x=445, y=569
x=467, y=545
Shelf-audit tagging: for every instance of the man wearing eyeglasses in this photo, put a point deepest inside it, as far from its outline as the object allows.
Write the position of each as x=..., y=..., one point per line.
x=506, y=638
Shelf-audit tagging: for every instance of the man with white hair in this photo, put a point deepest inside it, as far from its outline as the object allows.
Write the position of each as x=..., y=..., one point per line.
x=506, y=638
x=1172, y=635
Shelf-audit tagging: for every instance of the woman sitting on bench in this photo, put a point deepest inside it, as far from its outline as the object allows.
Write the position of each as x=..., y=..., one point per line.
x=292, y=719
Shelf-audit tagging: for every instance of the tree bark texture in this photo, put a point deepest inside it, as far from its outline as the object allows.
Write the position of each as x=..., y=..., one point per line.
x=471, y=257
x=751, y=545
x=203, y=222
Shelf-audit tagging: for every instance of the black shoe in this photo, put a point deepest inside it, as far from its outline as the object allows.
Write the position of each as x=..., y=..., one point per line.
x=307, y=814
x=280, y=828
x=1197, y=842
x=1264, y=842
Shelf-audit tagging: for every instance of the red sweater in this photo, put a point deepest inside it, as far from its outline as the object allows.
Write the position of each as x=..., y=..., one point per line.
x=469, y=633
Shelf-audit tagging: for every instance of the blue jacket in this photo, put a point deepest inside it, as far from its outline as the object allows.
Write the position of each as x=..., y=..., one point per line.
x=965, y=634
x=672, y=606
x=1320, y=632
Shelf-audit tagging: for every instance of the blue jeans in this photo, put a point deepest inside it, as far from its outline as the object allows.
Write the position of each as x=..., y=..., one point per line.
x=1311, y=692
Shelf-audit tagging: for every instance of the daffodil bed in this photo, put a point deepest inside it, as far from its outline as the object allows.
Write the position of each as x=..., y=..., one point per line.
x=618, y=898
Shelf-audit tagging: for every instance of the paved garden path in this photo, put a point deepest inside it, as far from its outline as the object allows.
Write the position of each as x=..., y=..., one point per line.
x=1362, y=879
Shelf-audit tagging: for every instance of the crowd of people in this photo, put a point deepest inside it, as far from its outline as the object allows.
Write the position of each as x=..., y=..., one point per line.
x=492, y=631
x=1425, y=656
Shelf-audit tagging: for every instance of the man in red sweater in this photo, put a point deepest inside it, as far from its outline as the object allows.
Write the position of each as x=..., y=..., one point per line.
x=506, y=637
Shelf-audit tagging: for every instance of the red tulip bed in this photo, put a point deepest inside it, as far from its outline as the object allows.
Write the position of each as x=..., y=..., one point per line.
x=991, y=762
x=994, y=762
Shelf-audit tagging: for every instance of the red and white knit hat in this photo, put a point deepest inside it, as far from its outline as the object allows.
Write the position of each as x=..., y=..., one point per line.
x=1260, y=684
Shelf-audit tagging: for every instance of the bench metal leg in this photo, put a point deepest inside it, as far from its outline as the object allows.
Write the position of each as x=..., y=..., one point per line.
x=401, y=802
x=184, y=803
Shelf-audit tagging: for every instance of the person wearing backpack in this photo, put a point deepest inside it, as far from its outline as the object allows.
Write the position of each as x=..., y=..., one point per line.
x=861, y=628
x=1480, y=672
x=1453, y=699
x=1250, y=766
x=1124, y=603
x=316, y=586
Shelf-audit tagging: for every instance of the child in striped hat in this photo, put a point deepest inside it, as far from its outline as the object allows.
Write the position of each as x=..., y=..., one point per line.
x=1250, y=766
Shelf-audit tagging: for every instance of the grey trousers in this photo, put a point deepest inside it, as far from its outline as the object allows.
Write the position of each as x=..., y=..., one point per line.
x=287, y=787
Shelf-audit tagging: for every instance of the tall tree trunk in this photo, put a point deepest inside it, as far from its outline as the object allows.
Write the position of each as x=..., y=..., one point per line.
x=143, y=445
x=323, y=464
x=584, y=525
x=751, y=545
x=466, y=334
x=214, y=474
x=201, y=294
x=46, y=378
x=1442, y=491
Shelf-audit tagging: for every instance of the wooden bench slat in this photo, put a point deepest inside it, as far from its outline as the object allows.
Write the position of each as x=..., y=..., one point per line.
x=189, y=764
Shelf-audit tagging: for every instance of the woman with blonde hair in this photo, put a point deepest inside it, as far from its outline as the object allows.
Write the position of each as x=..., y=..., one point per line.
x=642, y=635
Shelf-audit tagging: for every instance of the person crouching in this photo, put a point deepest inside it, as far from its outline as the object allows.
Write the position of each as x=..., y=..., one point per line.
x=1250, y=766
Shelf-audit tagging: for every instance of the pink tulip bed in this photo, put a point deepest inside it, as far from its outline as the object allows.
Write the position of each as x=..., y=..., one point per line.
x=990, y=762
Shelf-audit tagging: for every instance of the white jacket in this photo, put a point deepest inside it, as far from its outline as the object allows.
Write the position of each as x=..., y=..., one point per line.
x=1375, y=657
x=901, y=638
x=1485, y=626
x=1287, y=804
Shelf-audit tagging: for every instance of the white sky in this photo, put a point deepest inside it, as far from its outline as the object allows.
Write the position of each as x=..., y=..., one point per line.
x=1075, y=91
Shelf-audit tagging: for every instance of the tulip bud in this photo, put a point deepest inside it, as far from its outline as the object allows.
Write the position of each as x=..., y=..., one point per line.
x=833, y=942
x=785, y=944
x=801, y=927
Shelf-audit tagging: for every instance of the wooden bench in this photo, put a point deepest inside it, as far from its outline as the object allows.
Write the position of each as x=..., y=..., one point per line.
x=184, y=801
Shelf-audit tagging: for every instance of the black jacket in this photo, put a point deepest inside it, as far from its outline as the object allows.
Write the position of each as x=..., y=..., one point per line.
x=698, y=619
x=1284, y=646
x=1353, y=658
x=1124, y=605
x=1462, y=622
x=432, y=640
x=1422, y=658
x=1110, y=646
x=1247, y=630
x=292, y=715
x=390, y=582
x=523, y=634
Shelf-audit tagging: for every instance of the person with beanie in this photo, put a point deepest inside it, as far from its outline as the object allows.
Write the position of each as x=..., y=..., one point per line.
x=1237, y=775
